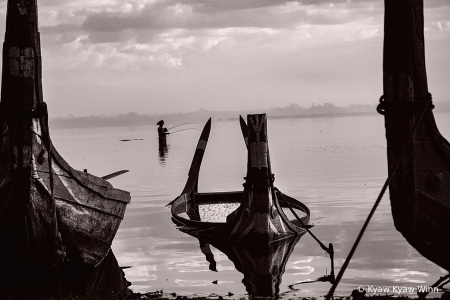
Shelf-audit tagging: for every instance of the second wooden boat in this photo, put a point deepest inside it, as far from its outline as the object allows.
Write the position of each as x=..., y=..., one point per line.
x=418, y=154
x=258, y=214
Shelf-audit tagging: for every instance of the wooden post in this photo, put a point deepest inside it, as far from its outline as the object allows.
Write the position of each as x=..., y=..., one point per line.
x=259, y=218
x=258, y=170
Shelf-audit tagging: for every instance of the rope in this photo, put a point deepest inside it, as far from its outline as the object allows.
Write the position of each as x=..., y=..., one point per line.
x=380, y=196
x=329, y=250
x=439, y=284
x=271, y=177
x=389, y=108
x=18, y=114
x=301, y=222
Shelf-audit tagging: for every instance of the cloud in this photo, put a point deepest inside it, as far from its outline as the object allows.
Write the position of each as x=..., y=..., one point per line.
x=441, y=25
x=213, y=15
x=436, y=3
x=141, y=34
x=220, y=54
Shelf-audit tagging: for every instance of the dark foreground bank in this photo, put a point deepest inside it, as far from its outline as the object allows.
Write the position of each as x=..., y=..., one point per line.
x=166, y=296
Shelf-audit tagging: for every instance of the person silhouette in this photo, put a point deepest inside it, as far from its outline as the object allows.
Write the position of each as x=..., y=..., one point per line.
x=162, y=132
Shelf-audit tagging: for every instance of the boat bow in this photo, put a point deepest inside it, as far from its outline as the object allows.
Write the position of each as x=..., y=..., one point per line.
x=258, y=217
x=44, y=203
x=420, y=189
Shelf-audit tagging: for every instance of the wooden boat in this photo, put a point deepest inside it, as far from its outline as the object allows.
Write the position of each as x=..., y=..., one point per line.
x=255, y=215
x=420, y=189
x=48, y=210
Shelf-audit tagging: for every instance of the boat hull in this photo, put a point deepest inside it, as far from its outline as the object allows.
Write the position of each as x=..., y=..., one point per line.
x=88, y=214
x=185, y=214
x=89, y=209
x=418, y=155
x=50, y=214
x=420, y=196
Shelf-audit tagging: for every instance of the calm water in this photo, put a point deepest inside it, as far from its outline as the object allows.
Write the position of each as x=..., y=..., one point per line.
x=336, y=166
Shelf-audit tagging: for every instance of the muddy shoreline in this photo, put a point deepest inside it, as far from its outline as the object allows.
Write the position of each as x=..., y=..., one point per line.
x=161, y=295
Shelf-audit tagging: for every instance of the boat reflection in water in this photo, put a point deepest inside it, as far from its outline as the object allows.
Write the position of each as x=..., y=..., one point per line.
x=262, y=265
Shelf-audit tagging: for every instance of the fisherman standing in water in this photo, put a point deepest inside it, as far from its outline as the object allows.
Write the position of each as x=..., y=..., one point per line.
x=162, y=132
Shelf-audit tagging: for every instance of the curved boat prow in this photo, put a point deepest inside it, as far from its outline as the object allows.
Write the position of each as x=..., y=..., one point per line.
x=258, y=218
x=194, y=170
x=43, y=201
x=244, y=129
x=192, y=182
x=420, y=189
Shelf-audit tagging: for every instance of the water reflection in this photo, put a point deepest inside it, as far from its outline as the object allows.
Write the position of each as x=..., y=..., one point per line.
x=163, y=151
x=262, y=265
x=339, y=188
x=206, y=250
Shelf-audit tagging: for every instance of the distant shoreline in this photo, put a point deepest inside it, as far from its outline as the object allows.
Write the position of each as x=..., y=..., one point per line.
x=325, y=115
x=293, y=111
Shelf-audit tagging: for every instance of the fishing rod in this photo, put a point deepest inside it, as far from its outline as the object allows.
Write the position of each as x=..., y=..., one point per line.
x=183, y=130
x=179, y=125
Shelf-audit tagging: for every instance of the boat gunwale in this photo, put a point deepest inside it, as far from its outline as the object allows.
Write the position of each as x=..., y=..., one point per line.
x=180, y=221
x=91, y=182
x=43, y=187
x=94, y=191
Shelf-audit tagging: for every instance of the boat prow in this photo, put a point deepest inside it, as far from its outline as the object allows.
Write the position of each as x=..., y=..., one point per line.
x=56, y=223
x=253, y=215
x=418, y=154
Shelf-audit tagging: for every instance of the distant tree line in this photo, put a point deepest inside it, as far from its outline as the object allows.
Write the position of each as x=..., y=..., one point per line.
x=200, y=116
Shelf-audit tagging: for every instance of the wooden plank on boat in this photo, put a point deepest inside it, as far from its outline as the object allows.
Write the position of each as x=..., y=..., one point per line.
x=115, y=174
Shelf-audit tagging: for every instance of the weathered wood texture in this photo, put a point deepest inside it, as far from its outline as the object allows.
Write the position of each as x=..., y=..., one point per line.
x=260, y=217
x=420, y=191
x=89, y=209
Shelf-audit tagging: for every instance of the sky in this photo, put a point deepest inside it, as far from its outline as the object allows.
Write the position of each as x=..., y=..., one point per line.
x=103, y=57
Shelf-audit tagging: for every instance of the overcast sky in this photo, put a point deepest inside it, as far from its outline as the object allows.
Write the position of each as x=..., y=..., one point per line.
x=162, y=56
